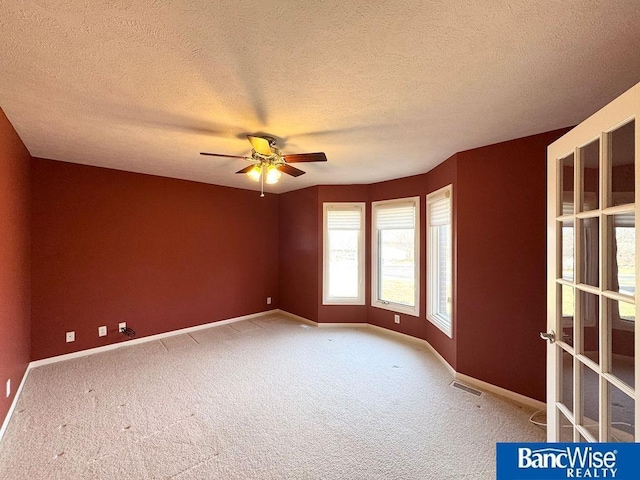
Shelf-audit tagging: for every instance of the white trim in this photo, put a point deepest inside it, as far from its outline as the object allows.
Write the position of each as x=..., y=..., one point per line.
x=150, y=338
x=113, y=346
x=5, y=424
x=488, y=387
x=503, y=392
x=338, y=324
x=293, y=316
x=349, y=206
x=375, y=301
x=444, y=323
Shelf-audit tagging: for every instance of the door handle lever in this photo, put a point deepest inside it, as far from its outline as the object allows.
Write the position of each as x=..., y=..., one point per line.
x=549, y=337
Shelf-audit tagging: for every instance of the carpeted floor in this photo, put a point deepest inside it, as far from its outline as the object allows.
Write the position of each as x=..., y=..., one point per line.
x=262, y=399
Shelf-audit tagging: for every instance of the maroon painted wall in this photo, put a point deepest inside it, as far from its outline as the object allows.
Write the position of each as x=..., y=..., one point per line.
x=159, y=253
x=15, y=272
x=299, y=243
x=501, y=254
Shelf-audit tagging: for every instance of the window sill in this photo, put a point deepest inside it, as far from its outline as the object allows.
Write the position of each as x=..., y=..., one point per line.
x=397, y=308
x=441, y=324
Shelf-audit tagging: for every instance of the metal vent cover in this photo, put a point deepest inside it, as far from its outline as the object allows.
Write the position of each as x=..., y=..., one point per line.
x=466, y=388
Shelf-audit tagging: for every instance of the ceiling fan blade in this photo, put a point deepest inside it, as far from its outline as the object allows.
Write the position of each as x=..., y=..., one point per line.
x=305, y=157
x=223, y=155
x=246, y=169
x=289, y=170
x=260, y=145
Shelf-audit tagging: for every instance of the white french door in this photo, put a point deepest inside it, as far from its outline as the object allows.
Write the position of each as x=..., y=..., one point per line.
x=593, y=343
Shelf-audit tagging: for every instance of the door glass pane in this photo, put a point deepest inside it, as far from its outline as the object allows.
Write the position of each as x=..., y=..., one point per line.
x=566, y=373
x=568, y=312
x=590, y=155
x=590, y=403
x=622, y=321
x=590, y=251
x=566, y=428
x=567, y=250
x=623, y=413
x=622, y=165
x=590, y=312
x=566, y=181
x=621, y=232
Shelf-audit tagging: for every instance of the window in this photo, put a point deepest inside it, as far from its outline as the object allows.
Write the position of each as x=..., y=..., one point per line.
x=440, y=259
x=396, y=255
x=343, y=254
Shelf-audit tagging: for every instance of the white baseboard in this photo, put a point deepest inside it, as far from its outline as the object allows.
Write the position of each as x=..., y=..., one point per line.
x=150, y=338
x=338, y=324
x=5, y=424
x=516, y=397
x=83, y=353
x=300, y=319
x=113, y=346
x=482, y=385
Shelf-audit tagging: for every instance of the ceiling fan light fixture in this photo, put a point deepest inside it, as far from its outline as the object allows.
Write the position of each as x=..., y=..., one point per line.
x=272, y=175
x=255, y=173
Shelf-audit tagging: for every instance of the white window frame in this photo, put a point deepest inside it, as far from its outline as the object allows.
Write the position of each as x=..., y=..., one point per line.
x=375, y=300
x=351, y=206
x=444, y=323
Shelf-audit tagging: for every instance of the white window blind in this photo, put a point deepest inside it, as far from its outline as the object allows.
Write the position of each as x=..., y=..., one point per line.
x=396, y=217
x=439, y=212
x=341, y=219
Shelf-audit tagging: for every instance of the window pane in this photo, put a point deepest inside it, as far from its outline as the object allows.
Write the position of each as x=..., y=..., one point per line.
x=590, y=175
x=566, y=379
x=343, y=263
x=568, y=309
x=441, y=236
x=567, y=250
x=622, y=318
x=590, y=312
x=590, y=251
x=590, y=400
x=622, y=165
x=623, y=414
x=566, y=179
x=396, y=282
x=622, y=254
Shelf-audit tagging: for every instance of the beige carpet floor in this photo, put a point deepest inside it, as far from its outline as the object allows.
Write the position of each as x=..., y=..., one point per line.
x=263, y=399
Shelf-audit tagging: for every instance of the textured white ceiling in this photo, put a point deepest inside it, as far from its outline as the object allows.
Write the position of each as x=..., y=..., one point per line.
x=385, y=88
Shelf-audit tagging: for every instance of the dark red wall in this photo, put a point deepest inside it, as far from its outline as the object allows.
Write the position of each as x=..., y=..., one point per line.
x=15, y=272
x=299, y=243
x=501, y=254
x=159, y=253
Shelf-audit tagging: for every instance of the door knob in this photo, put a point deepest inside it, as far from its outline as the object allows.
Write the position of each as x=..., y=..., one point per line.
x=549, y=337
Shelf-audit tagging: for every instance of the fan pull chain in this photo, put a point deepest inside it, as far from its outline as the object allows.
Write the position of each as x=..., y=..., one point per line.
x=262, y=181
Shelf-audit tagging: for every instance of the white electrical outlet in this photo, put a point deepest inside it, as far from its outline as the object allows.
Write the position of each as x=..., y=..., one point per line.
x=268, y=300
x=102, y=331
x=396, y=318
x=8, y=388
x=71, y=337
x=122, y=326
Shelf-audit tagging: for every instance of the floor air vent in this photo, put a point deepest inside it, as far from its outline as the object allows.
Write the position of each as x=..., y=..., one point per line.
x=466, y=388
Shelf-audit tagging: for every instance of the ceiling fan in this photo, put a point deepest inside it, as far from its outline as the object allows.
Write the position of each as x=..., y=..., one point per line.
x=269, y=161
